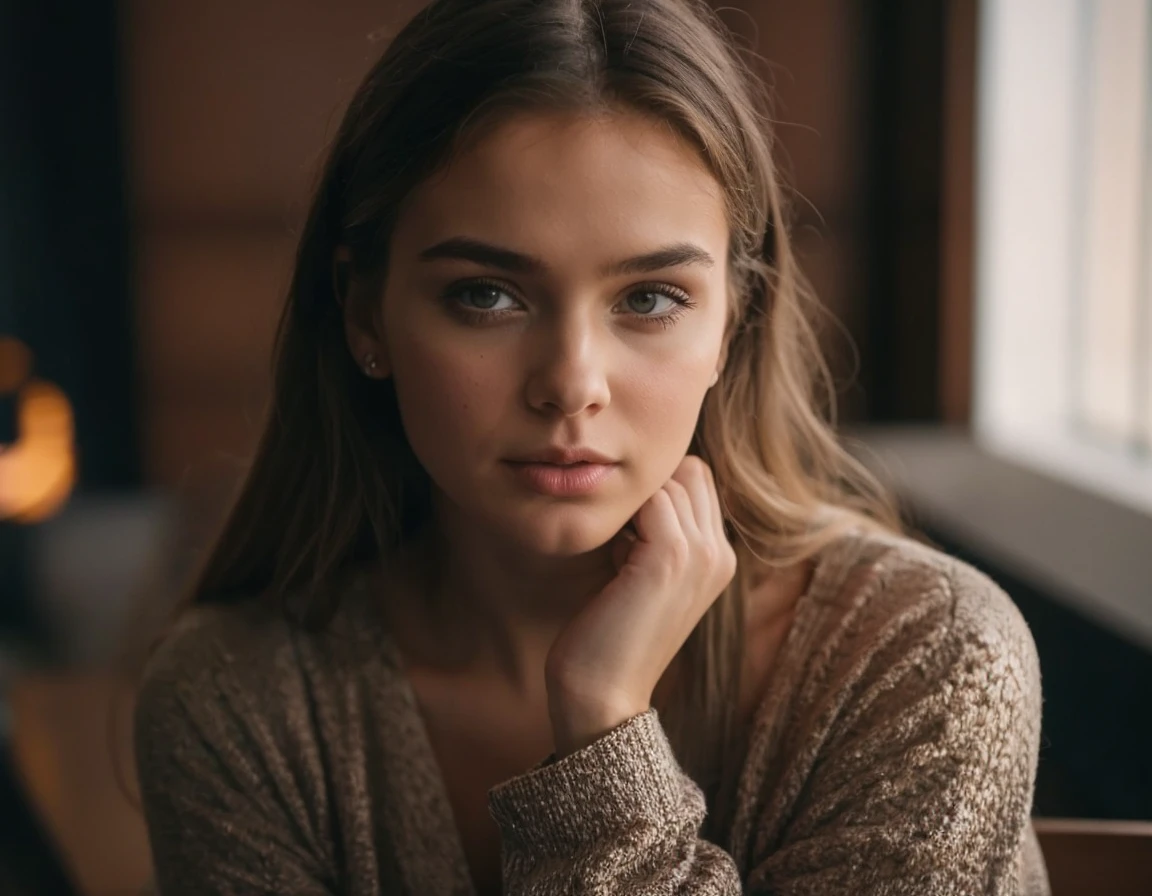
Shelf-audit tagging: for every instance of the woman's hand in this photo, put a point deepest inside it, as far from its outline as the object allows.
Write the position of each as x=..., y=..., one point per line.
x=605, y=664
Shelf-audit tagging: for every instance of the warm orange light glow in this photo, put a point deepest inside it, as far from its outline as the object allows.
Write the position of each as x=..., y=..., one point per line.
x=38, y=470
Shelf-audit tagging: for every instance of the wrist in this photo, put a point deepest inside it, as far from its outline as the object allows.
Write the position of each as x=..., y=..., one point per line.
x=578, y=723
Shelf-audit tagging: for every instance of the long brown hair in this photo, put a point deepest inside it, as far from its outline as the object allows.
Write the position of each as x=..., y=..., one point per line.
x=334, y=481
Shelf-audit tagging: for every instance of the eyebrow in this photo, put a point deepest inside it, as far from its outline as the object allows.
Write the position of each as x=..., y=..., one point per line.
x=469, y=249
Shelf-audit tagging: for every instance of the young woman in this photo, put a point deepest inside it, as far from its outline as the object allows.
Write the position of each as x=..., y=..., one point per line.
x=548, y=576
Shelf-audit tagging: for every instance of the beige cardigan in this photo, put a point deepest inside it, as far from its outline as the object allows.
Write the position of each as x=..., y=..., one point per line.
x=894, y=752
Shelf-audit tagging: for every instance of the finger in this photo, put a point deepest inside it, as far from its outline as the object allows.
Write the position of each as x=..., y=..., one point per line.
x=656, y=521
x=696, y=479
x=703, y=485
x=715, y=511
x=685, y=511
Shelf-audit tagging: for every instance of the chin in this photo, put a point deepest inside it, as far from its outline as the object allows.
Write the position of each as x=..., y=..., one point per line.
x=564, y=530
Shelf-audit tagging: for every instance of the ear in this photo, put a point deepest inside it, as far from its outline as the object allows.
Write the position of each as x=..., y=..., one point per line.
x=363, y=322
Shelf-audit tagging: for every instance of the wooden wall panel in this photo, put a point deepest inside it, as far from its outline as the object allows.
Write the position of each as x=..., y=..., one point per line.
x=812, y=60
x=230, y=109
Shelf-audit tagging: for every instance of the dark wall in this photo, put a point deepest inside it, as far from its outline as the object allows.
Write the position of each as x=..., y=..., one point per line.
x=64, y=256
x=64, y=250
x=863, y=121
x=905, y=65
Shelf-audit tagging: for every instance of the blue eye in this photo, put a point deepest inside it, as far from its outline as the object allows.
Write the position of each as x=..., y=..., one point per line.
x=650, y=300
x=677, y=304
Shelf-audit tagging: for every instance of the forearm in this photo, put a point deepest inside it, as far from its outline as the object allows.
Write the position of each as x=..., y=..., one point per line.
x=617, y=816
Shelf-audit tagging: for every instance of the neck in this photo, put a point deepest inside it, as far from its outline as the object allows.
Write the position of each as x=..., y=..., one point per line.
x=489, y=608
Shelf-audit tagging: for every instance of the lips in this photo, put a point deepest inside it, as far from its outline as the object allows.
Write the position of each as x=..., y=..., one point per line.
x=562, y=480
x=563, y=456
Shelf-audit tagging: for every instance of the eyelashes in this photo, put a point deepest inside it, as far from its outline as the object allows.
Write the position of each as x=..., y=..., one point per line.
x=456, y=296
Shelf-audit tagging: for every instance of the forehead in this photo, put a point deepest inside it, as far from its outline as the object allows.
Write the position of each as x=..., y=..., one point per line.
x=570, y=185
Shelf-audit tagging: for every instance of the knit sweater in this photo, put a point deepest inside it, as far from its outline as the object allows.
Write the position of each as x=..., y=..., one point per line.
x=893, y=751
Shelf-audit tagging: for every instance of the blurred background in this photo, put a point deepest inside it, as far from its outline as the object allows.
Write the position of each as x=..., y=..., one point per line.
x=976, y=211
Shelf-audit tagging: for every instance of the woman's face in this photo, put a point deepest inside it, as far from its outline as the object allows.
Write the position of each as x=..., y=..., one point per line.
x=561, y=283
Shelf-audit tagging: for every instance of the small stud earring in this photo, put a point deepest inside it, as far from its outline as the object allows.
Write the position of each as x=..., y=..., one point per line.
x=370, y=364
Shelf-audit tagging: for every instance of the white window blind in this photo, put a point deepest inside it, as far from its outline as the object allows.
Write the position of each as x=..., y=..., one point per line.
x=1064, y=243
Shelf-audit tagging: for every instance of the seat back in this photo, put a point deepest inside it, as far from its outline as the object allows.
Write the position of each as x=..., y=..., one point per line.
x=1088, y=856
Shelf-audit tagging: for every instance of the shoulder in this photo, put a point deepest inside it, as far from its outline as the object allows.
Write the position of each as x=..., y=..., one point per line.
x=910, y=735
x=244, y=673
x=889, y=584
x=249, y=642
x=254, y=645
x=897, y=626
x=232, y=755
x=207, y=649
x=220, y=669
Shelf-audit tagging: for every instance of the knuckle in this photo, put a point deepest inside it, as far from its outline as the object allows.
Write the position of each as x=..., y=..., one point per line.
x=701, y=468
x=694, y=463
x=686, y=468
x=677, y=554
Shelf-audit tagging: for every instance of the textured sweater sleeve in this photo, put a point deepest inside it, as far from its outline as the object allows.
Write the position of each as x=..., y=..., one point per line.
x=618, y=816
x=924, y=782
x=221, y=802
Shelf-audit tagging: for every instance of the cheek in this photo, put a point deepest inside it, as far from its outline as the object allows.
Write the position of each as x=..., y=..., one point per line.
x=664, y=395
x=661, y=406
x=449, y=401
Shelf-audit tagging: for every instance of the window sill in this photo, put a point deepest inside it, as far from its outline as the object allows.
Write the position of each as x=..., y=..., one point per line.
x=1088, y=551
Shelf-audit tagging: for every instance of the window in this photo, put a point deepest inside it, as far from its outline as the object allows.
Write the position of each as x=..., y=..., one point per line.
x=1063, y=372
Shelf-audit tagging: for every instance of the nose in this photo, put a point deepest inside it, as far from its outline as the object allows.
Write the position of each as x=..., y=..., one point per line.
x=569, y=375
